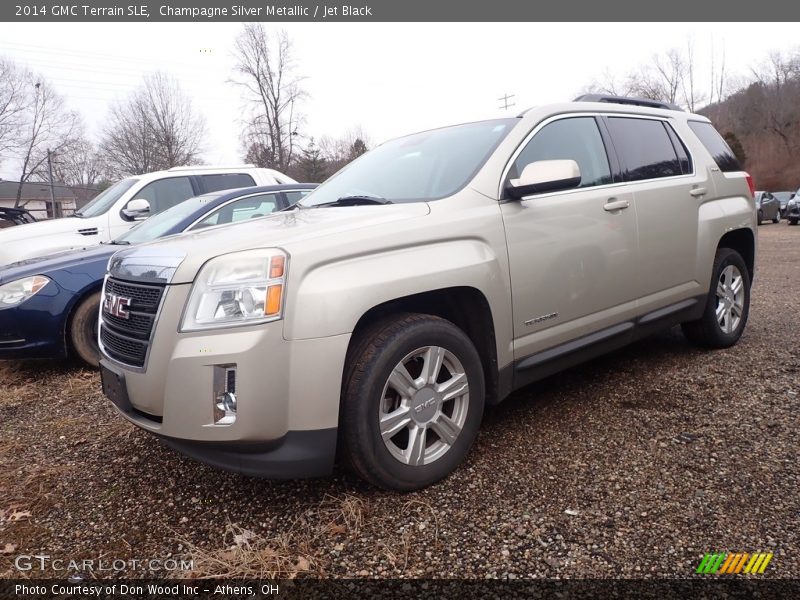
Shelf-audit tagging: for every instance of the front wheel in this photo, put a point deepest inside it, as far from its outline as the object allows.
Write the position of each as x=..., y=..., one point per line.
x=727, y=303
x=83, y=330
x=412, y=401
x=777, y=218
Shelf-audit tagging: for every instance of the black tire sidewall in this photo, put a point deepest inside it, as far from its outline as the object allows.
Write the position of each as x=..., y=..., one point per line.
x=82, y=328
x=385, y=469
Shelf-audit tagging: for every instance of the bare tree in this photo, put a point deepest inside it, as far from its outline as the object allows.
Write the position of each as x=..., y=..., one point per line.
x=155, y=128
x=778, y=79
x=47, y=126
x=337, y=152
x=265, y=68
x=14, y=99
x=81, y=167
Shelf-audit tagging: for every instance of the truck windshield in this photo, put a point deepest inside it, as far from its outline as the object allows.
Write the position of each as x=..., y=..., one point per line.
x=162, y=223
x=105, y=199
x=420, y=167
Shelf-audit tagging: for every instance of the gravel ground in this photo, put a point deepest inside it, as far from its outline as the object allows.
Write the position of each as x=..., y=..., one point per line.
x=634, y=465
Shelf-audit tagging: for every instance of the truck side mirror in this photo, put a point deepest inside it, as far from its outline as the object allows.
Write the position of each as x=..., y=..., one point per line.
x=137, y=209
x=544, y=176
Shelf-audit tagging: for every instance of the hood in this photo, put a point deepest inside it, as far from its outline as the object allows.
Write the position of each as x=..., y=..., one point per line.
x=40, y=229
x=189, y=251
x=74, y=260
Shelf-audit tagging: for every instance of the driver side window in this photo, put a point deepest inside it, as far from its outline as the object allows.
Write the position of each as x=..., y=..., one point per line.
x=575, y=138
x=251, y=207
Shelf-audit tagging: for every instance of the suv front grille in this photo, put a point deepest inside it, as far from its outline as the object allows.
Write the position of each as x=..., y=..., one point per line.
x=126, y=335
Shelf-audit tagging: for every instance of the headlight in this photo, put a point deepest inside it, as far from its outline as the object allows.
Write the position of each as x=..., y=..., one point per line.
x=16, y=292
x=791, y=204
x=241, y=288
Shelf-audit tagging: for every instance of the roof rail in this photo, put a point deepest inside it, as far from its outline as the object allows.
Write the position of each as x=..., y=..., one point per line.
x=211, y=167
x=627, y=100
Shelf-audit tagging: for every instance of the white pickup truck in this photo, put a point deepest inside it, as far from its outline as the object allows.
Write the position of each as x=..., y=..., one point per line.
x=125, y=203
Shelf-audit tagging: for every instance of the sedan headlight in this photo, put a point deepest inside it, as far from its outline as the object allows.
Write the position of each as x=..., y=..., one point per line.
x=16, y=292
x=241, y=288
x=791, y=204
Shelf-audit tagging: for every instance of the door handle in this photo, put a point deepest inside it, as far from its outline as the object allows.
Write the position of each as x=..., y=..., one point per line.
x=697, y=192
x=614, y=204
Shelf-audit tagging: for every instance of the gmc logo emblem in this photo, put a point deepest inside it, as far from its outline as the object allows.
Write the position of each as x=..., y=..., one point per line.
x=116, y=306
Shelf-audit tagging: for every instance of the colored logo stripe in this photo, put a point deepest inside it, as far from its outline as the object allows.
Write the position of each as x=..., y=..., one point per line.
x=724, y=563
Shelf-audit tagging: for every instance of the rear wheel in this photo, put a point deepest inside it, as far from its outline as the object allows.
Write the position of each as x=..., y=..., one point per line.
x=412, y=401
x=727, y=304
x=83, y=330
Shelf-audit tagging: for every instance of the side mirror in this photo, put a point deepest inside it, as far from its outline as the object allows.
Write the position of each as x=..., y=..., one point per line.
x=544, y=176
x=137, y=209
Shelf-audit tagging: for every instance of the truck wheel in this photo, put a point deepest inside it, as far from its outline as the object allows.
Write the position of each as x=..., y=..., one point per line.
x=412, y=401
x=727, y=306
x=83, y=330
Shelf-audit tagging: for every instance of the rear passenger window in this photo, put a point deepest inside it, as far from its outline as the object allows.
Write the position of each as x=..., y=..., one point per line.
x=575, y=138
x=644, y=148
x=716, y=145
x=226, y=181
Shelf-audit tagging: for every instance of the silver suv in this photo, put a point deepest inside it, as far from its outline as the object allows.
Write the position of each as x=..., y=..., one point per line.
x=431, y=277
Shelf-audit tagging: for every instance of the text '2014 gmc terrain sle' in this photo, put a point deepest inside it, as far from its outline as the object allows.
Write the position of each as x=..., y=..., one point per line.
x=434, y=275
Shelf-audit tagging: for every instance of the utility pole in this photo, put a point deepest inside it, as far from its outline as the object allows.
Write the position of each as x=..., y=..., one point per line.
x=56, y=208
x=504, y=99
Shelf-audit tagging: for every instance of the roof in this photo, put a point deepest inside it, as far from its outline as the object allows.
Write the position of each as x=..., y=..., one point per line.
x=34, y=191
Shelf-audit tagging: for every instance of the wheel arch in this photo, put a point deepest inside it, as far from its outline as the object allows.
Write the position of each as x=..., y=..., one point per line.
x=742, y=241
x=464, y=306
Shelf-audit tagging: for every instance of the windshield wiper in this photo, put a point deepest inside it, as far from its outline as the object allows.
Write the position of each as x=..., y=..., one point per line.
x=118, y=243
x=355, y=200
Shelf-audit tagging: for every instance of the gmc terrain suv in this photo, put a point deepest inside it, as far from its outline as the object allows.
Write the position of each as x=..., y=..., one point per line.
x=431, y=277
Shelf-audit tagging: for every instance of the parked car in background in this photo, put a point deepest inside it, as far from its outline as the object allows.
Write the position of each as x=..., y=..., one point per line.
x=49, y=305
x=783, y=198
x=768, y=208
x=15, y=216
x=793, y=210
x=121, y=206
x=434, y=275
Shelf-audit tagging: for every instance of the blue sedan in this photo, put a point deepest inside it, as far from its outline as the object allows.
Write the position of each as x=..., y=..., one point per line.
x=49, y=305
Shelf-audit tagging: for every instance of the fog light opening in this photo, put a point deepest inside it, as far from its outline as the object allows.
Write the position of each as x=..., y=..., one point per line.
x=224, y=396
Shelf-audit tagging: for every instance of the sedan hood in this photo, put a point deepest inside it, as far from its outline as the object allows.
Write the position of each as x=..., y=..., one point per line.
x=182, y=256
x=72, y=260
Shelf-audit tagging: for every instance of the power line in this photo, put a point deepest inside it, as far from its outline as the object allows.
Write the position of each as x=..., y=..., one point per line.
x=504, y=99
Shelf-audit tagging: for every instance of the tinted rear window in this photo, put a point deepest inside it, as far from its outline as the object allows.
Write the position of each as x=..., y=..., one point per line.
x=226, y=181
x=716, y=145
x=645, y=148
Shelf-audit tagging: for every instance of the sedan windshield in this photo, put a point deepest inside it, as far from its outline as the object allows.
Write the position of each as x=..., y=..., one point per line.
x=106, y=199
x=160, y=224
x=420, y=167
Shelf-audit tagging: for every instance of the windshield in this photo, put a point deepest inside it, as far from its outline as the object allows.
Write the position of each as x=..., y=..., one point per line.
x=424, y=166
x=160, y=224
x=105, y=199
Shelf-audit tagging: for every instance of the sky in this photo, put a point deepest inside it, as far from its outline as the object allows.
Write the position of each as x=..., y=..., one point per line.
x=389, y=79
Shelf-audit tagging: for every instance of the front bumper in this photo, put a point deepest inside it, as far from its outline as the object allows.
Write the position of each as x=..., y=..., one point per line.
x=792, y=213
x=34, y=329
x=287, y=394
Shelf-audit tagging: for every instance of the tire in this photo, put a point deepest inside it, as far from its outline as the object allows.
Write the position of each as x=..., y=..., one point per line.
x=759, y=217
x=777, y=218
x=711, y=330
x=83, y=330
x=792, y=221
x=372, y=387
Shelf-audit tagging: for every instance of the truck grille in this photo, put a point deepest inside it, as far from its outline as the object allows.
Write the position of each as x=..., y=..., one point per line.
x=126, y=335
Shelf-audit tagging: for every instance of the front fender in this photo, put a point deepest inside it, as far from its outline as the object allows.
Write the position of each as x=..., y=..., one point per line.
x=331, y=298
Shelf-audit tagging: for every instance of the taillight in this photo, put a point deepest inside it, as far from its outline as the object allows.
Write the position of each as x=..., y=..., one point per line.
x=750, y=184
